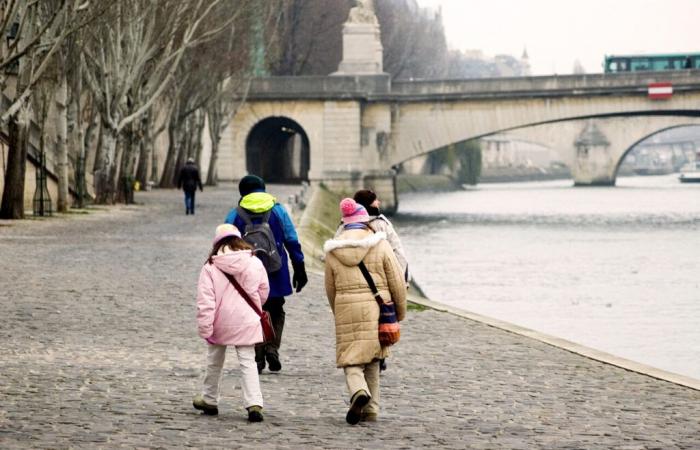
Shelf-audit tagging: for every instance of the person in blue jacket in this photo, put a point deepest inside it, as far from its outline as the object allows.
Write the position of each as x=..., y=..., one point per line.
x=256, y=201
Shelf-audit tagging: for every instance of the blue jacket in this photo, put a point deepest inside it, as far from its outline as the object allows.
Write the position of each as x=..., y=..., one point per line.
x=285, y=237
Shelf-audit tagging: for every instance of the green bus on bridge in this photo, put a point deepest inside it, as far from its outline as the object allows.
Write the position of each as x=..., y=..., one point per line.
x=646, y=63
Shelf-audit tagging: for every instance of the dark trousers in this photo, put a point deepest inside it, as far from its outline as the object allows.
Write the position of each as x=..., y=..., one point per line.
x=189, y=202
x=274, y=306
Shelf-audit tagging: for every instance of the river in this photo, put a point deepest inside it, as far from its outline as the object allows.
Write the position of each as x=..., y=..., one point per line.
x=612, y=268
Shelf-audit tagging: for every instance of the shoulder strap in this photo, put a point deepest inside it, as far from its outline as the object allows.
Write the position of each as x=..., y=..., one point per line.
x=243, y=293
x=370, y=282
x=245, y=215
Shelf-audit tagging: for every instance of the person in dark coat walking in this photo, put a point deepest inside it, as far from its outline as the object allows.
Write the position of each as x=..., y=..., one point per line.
x=188, y=181
x=256, y=203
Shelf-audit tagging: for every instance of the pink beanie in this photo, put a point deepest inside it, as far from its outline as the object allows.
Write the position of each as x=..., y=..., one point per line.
x=225, y=230
x=352, y=211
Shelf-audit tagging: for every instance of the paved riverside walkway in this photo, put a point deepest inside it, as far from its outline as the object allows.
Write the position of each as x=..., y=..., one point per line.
x=98, y=349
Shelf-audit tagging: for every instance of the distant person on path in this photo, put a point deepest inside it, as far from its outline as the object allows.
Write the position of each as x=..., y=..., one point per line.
x=255, y=208
x=188, y=181
x=225, y=318
x=355, y=309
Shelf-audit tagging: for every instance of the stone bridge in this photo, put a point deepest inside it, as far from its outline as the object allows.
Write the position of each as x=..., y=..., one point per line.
x=353, y=131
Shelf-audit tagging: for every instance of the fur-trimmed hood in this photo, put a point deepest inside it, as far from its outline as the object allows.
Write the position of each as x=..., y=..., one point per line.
x=351, y=246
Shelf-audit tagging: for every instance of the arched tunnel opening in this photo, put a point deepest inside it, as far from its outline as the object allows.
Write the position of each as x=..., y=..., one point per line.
x=277, y=149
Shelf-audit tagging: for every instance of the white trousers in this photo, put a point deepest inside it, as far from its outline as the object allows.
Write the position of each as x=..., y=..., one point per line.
x=250, y=383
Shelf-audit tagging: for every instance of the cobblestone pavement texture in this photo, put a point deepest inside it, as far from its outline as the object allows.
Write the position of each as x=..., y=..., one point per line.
x=99, y=349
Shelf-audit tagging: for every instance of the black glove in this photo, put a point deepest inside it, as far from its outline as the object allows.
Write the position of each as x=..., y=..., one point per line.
x=299, y=279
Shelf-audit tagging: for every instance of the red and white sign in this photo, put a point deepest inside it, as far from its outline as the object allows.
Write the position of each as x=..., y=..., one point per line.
x=660, y=91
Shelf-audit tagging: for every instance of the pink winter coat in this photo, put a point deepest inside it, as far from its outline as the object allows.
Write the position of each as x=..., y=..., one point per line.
x=223, y=315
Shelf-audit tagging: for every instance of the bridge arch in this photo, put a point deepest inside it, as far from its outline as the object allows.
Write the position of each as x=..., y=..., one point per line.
x=467, y=134
x=622, y=131
x=277, y=149
x=632, y=147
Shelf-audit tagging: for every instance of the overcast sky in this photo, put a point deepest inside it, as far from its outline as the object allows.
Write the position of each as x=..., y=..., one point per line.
x=557, y=32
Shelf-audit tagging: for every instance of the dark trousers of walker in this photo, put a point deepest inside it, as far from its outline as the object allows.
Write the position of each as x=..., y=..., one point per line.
x=274, y=306
x=189, y=202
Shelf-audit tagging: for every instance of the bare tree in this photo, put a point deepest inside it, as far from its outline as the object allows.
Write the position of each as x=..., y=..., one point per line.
x=138, y=47
x=413, y=39
x=37, y=31
x=231, y=94
x=306, y=36
x=204, y=87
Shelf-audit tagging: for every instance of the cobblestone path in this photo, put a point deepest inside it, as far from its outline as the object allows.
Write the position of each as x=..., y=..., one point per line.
x=98, y=349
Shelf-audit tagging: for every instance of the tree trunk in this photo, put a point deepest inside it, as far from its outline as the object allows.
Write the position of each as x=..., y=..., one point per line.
x=182, y=153
x=212, y=176
x=13, y=195
x=145, y=149
x=155, y=173
x=128, y=162
x=104, y=176
x=198, y=127
x=86, y=147
x=62, y=201
x=214, y=124
x=74, y=130
x=98, y=150
x=171, y=160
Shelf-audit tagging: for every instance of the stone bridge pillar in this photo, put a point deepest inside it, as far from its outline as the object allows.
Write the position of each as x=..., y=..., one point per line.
x=594, y=164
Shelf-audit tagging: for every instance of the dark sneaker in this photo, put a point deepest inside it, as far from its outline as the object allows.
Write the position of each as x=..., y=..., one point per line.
x=382, y=365
x=255, y=414
x=358, y=401
x=199, y=403
x=261, y=366
x=273, y=362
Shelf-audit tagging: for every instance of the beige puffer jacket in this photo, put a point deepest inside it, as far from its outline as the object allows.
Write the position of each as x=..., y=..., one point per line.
x=354, y=307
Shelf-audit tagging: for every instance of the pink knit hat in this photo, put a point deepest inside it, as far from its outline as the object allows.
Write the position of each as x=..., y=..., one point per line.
x=225, y=230
x=352, y=211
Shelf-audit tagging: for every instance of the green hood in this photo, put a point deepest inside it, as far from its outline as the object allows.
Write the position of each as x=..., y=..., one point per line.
x=258, y=202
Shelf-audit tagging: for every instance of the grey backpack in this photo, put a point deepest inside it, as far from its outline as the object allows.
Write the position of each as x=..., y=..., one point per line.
x=261, y=237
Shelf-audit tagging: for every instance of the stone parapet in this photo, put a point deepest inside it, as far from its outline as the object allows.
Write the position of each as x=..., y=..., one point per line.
x=337, y=87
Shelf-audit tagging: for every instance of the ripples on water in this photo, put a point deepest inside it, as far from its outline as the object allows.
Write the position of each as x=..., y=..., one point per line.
x=612, y=268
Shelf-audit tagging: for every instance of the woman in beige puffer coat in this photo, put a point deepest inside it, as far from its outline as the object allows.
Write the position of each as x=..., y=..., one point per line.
x=356, y=311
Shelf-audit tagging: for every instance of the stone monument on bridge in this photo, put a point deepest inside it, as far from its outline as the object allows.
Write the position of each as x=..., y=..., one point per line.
x=362, y=45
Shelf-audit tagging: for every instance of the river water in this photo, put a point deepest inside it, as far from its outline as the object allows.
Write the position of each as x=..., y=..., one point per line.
x=616, y=269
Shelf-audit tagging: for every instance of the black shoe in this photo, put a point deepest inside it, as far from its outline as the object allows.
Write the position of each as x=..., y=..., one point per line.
x=273, y=362
x=261, y=366
x=255, y=414
x=359, y=400
x=199, y=403
x=382, y=365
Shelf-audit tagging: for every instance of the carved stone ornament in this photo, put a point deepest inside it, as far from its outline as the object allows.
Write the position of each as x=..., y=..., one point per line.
x=362, y=13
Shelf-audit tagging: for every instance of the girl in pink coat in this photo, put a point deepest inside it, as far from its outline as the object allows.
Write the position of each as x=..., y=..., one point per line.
x=225, y=318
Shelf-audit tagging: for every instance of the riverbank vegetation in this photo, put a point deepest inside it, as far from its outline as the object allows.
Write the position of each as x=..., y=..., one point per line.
x=460, y=161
